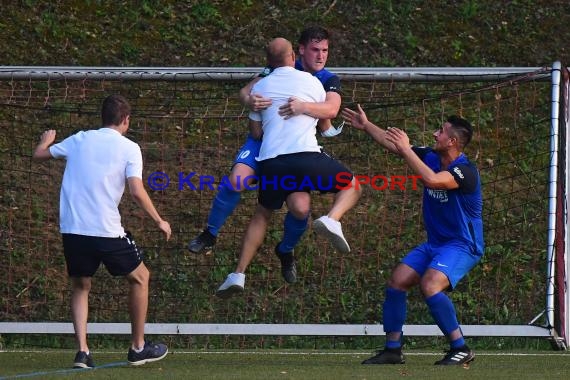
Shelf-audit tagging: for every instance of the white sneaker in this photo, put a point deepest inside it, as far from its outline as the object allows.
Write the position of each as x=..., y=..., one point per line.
x=332, y=230
x=233, y=285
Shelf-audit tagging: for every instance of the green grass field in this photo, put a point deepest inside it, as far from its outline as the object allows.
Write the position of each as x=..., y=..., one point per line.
x=273, y=364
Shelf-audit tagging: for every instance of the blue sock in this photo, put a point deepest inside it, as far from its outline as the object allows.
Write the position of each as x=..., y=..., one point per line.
x=223, y=206
x=443, y=312
x=457, y=343
x=293, y=231
x=394, y=314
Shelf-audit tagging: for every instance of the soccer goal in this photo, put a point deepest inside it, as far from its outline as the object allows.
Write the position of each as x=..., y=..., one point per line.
x=190, y=124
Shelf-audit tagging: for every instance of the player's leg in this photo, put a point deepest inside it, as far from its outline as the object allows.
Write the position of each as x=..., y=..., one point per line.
x=294, y=226
x=228, y=196
x=79, y=312
x=138, y=303
x=122, y=257
x=450, y=263
x=328, y=174
x=406, y=275
x=251, y=242
x=81, y=263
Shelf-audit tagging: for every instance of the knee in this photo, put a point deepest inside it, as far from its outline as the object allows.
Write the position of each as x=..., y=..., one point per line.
x=82, y=284
x=300, y=213
x=140, y=276
x=429, y=288
x=395, y=283
x=238, y=183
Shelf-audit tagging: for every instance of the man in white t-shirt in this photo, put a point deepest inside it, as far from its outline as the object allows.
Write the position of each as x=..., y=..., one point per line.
x=99, y=164
x=291, y=165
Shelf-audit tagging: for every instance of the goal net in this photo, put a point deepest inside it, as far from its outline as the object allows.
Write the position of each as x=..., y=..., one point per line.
x=190, y=124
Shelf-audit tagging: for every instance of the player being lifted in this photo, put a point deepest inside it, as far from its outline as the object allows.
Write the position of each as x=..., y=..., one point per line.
x=313, y=53
x=290, y=151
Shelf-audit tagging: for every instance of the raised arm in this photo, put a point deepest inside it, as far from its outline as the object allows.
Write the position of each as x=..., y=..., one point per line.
x=442, y=180
x=359, y=120
x=42, y=153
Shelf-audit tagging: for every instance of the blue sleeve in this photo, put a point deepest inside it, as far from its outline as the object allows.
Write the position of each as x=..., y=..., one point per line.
x=466, y=177
x=332, y=84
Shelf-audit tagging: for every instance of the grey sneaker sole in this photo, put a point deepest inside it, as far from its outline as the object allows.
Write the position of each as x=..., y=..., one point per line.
x=229, y=292
x=150, y=360
x=338, y=242
x=80, y=365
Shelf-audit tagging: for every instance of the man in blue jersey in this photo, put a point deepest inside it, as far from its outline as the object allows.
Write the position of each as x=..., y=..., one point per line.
x=452, y=211
x=313, y=52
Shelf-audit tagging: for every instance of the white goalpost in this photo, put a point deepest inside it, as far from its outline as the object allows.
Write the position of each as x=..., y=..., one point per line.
x=189, y=120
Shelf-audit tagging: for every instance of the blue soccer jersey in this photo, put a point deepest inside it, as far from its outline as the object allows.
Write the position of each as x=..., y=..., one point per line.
x=453, y=214
x=330, y=81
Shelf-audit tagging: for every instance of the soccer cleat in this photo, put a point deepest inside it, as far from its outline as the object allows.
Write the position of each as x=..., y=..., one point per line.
x=457, y=356
x=332, y=230
x=234, y=284
x=387, y=356
x=203, y=243
x=288, y=267
x=83, y=360
x=151, y=352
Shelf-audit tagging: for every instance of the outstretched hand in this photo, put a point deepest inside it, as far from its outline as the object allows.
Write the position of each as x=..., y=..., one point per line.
x=357, y=118
x=399, y=138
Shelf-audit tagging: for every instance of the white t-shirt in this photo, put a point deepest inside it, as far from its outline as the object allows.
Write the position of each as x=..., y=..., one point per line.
x=294, y=135
x=98, y=164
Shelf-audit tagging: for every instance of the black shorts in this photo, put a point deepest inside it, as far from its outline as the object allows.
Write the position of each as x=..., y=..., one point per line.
x=84, y=254
x=299, y=172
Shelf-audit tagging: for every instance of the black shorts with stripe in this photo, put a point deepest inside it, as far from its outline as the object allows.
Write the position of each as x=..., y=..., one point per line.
x=299, y=172
x=84, y=254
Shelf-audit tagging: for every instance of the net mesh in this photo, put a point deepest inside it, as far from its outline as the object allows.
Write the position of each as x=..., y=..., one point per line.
x=195, y=127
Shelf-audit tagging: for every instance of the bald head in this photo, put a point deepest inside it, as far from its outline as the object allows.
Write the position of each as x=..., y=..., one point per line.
x=280, y=53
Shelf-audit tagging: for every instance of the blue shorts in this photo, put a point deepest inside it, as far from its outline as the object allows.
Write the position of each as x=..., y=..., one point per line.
x=454, y=259
x=248, y=152
x=84, y=254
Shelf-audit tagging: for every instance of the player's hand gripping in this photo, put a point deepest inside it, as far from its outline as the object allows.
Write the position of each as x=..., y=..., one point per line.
x=257, y=102
x=293, y=107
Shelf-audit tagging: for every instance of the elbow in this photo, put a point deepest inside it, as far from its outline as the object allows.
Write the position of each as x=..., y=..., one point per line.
x=431, y=183
x=137, y=196
x=40, y=156
x=331, y=114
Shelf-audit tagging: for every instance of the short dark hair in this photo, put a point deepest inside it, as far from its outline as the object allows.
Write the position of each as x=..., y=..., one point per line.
x=114, y=110
x=462, y=130
x=316, y=33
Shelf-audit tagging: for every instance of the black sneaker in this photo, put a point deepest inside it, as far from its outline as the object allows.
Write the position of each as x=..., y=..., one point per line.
x=203, y=243
x=387, y=356
x=150, y=353
x=288, y=267
x=458, y=356
x=83, y=360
